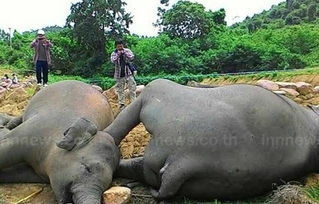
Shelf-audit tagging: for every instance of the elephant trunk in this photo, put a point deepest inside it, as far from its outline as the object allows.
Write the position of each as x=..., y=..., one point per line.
x=87, y=194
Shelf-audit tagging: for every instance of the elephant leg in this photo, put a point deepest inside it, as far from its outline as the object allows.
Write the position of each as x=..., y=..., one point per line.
x=20, y=173
x=125, y=121
x=131, y=169
x=15, y=122
x=173, y=175
x=4, y=119
x=14, y=144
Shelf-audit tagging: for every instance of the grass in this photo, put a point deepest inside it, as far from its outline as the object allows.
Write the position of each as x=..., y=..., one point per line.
x=106, y=82
x=273, y=75
x=312, y=193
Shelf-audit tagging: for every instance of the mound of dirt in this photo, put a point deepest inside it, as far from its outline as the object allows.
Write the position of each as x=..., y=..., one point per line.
x=305, y=100
x=134, y=143
x=13, y=102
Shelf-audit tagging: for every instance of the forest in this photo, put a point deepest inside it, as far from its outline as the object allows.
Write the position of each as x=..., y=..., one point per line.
x=192, y=40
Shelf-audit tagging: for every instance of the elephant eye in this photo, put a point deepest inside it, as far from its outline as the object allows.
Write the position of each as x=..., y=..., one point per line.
x=87, y=168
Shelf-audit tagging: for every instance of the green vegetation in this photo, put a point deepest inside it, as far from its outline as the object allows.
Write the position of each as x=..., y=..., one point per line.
x=291, y=12
x=185, y=47
x=312, y=193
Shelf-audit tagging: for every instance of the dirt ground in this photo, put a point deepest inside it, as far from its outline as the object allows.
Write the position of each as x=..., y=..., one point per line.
x=14, y=102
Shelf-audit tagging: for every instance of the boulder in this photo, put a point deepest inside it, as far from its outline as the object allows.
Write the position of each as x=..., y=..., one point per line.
x=98, y=88
x=316, y=89
x=291, y=92
x=270, y=85
x=304, y=88
x=117, y=195
x=287, y=85
x=139, y=89
x=280, y=92
x=298, y=100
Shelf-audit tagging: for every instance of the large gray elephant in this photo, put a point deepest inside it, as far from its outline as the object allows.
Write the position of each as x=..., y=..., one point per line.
x=59, y=142
x=230, y=142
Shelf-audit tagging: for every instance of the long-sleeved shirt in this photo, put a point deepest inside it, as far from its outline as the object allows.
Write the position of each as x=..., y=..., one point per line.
x=36, y=45
x=116, y=59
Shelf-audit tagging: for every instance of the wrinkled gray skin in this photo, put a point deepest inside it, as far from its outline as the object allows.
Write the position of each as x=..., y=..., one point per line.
x=228, y=143
x=59, y=141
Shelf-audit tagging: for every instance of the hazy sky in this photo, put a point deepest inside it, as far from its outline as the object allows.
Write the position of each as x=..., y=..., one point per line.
x=24, y=15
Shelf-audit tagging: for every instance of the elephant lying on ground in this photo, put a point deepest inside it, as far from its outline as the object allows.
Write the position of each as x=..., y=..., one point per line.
x=230, y=142
x=59, y=142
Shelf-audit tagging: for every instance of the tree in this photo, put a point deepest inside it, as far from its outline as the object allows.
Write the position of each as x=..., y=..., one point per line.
x=311, y=13
x=5, y=37
x=190, y=20
x=289, y=4
x=292, y=19
x=93, y=21
x=219, y=17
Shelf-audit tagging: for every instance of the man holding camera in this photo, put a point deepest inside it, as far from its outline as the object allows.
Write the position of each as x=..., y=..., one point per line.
x=42, y=58
x=123, y=74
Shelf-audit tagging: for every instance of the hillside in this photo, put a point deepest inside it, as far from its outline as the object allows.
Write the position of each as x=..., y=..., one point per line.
x=290, y=12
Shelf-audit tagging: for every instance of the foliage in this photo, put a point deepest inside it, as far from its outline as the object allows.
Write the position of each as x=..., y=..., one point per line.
x=291, y=12
x=190, y=20
x=92, y=21
x=222, y=50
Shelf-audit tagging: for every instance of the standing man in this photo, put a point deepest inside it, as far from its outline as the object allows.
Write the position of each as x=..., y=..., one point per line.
x=42, y=58
x=121, y=58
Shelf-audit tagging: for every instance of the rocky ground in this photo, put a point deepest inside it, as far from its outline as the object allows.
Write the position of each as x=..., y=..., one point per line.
x=14, y=101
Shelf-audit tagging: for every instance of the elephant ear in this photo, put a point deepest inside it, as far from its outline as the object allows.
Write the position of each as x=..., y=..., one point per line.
x=78, y=135
x=314, y=108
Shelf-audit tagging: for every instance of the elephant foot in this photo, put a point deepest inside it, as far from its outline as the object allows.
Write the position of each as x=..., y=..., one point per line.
x=154, y=193
x=4, y=119
x=156, y=196
x=15, y=122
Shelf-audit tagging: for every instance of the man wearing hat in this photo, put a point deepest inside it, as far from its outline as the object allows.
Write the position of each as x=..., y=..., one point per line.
x=42, y=58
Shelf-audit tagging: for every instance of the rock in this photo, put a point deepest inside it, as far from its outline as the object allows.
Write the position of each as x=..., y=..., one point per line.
x=98, y=88
x=316, y=89
x=304, y=88
x=139, y=89
x=287, y=85
x=117, y=195
x=192, y=83
x=303, y=97
x=26, y=84
x=270, y=85
x=200, y=85
x=312, y=180
x=111, y=93
x=280, y=92
x=31, y=80
x=291, y=92
x=298, y=100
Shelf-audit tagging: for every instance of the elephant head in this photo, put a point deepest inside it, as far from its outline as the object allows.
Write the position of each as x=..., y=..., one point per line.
x=90, y=160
